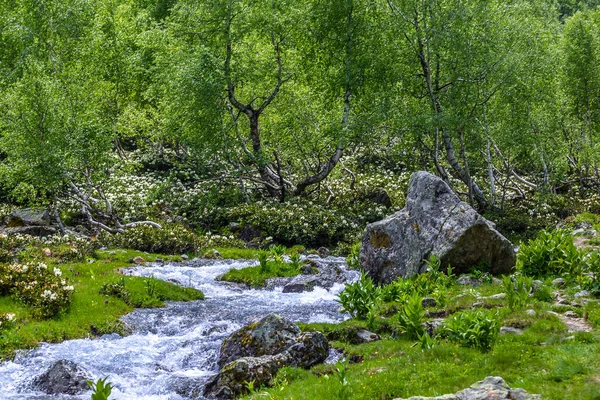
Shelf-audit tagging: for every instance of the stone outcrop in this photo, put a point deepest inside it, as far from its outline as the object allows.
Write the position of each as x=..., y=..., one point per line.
x=491, y=388
x=269, y=336
x=256, y=352
x=434, y=222
x=29, y=221
x=63, y=377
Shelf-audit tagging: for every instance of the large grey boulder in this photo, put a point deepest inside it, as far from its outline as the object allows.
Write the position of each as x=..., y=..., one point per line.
x=257, y=351
x=491, y=388
x=271, y=335
x=63, y=377
x=310, y=349
x=434, y=222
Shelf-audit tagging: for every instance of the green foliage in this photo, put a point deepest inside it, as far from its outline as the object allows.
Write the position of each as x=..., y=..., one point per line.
x=551, y=253
x=295, y=261
x=411, y=317
x=256, y=276
x=590, y=280
x=263, y=260
x=151, y=284
x=7, y=321
x=517, y=289
x=543, y=293
x=101, y=389
x=277, y=252
x=360, y=297
x=353, y=258
x=30, y=248
x=476, y=329
x=341, y=372
x=172, y=239
x=38, y=286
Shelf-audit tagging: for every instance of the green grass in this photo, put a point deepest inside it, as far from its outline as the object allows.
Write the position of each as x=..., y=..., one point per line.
x=546, y=359
x=395, y=368
x=256, y=276
x=90, y=312
x=237, y=253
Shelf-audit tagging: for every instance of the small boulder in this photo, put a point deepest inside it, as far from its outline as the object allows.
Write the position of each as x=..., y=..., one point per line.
x=583, y=293
x=311, y=348
x=28, y=217
x=433, y=326
x=301, y=283
x=63, y=377
x=323, y=252
x=467, y=280
x=434, y=222
x=509, y=330
x=271, y=335
x=491, y=388
x=138, y=260
x=559, y=282
x=364, y=336
x=231, y=381
x=428, y=302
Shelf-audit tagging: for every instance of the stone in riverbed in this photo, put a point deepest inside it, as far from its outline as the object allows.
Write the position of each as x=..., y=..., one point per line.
x=434, y=222
x=301, y=283
x=63, y=377
x=271, y=335
x=308, y=349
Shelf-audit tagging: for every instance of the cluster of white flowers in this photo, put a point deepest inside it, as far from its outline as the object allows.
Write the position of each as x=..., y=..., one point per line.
x=48, y=295
x=6, y=320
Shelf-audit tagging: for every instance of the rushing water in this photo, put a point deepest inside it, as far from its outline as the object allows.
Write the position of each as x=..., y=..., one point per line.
x=172, y=349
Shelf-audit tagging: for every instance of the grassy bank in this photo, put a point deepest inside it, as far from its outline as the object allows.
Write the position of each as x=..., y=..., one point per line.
x=91, y=312
x=540, y=361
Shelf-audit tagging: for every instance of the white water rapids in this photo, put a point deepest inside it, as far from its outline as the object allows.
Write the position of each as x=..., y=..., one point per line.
x=173, y=350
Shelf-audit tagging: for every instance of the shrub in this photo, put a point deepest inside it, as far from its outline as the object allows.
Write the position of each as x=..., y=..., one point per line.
x=543, y=293
x=6, y=321
x=172, y=239
x=263, y=261
x=412, y=316
x=591, y=279
x=66, y=248
x=359, y=297
x=116, y=289
x=38, y=286
x=353, y=258
x=550, y=253
x=476, y=329
x=517, y=289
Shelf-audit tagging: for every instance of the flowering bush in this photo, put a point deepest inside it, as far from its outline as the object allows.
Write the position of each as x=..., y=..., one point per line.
x=172, y=239
x=36, y=285
x=6, y=321
x=66, y=247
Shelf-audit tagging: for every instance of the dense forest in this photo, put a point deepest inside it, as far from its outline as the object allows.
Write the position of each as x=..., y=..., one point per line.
x=117, y=113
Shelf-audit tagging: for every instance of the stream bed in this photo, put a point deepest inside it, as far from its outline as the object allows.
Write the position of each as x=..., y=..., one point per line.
x=173, y=350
